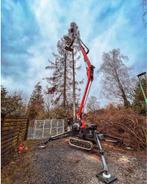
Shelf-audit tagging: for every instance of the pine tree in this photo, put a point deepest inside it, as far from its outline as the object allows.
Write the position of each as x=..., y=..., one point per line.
x=138, y=99
x=92, y=104
x=58, y=80
x=36, y=103
x=62, y=81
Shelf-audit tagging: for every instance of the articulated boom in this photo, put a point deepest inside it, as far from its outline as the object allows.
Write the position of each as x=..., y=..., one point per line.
x=90, y=70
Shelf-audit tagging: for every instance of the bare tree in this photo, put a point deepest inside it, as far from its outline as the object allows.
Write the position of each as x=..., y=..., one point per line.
x=73, y=34
x=115, y=75
x=48, y=102
x=92, y=104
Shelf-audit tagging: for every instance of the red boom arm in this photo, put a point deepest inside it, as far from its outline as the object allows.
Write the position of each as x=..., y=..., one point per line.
x=90, y=70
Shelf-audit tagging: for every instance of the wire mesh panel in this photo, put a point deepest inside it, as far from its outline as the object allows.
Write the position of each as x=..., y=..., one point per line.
x=45, y=128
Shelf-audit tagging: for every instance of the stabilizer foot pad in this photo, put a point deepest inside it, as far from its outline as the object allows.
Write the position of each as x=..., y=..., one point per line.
x=106, y=180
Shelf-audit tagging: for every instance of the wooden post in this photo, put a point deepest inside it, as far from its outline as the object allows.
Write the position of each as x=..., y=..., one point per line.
x=57, y=127
x=51, y=127
x=43, y=129
x=63, y=126
x=35, y=122
x=26, y=132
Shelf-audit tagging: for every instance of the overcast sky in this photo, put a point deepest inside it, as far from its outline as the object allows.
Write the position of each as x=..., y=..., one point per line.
x=31, y=29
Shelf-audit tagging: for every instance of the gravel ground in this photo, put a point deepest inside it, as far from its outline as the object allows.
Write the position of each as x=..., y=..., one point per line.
x=61, y=164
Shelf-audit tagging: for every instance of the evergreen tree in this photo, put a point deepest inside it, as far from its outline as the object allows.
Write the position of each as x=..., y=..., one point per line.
x=36, y=103
x=58, y=80
x=92, y=104
x=61, y=81
x=11, y=104
x=138, y=99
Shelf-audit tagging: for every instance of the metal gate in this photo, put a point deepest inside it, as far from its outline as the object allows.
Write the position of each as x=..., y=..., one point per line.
x=45, y=128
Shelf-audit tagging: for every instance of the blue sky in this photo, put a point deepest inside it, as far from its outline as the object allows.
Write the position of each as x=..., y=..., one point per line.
x=31, y=29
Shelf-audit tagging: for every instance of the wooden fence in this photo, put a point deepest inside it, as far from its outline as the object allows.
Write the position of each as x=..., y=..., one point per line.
x=13, y=132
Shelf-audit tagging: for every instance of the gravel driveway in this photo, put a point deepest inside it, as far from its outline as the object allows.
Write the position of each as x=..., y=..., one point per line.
x=61, y=164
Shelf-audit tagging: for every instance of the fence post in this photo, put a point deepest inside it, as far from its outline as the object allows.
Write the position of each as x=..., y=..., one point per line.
x=43, y=129
x=35, y=122
x=63, y=125
x=57, y=127
x=51, y=127
x=27, y=127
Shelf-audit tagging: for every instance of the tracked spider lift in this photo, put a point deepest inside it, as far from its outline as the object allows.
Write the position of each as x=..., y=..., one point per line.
x=81, y=136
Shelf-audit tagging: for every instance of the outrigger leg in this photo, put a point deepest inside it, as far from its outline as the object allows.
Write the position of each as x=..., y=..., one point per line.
x=52, y=138
x=104, y=175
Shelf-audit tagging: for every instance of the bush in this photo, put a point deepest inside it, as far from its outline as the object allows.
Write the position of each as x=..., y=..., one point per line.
x=125, y=124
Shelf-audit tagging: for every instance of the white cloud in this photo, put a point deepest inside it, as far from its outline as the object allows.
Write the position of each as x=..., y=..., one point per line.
x=48, y=13
x=86, y=14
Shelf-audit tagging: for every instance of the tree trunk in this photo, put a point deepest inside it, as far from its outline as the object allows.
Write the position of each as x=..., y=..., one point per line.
x=74, y=94
x=123, y=94
x=126, y=102
x=65, y=73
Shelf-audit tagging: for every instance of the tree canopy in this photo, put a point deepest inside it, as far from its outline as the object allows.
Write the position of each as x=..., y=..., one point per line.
x=36, y=107
x=11, y=104
x=115, y=76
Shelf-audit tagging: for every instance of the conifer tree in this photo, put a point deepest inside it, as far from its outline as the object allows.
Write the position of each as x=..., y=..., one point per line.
x=11, y=104
x=61, y=81
x=138, y=99
x=36, y=103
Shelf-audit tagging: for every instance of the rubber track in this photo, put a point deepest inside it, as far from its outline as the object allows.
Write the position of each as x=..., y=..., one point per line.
x=80, y=143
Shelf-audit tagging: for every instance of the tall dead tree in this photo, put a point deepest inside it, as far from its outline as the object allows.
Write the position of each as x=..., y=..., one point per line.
x=73, y=33
x=63, y=53
x=115, y=76
x=61, y=79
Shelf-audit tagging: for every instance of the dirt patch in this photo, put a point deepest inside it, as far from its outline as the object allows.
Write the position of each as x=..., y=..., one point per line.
x=61, y=164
